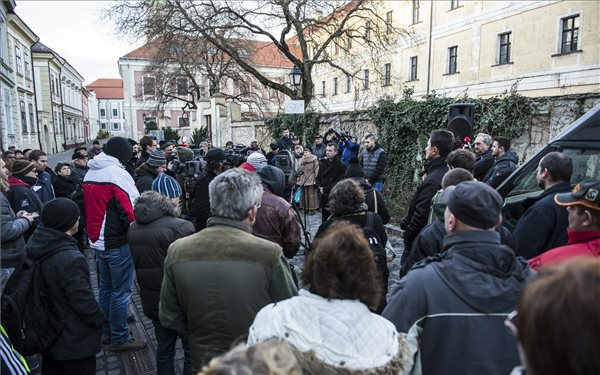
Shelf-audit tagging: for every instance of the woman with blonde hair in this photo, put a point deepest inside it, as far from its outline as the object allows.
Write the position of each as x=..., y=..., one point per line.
x=329, y=325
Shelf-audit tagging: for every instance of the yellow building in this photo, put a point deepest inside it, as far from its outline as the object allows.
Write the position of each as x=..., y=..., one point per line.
x=481, y=48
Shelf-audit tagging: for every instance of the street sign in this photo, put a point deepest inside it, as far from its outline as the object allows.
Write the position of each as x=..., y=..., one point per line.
x=294, y=107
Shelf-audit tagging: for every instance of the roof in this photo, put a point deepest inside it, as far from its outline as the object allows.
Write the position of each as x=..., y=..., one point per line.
x=261, y=53
x=40, y=47
x=107, y=88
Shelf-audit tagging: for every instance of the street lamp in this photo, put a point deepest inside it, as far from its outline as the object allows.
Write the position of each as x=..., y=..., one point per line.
x=295, y=75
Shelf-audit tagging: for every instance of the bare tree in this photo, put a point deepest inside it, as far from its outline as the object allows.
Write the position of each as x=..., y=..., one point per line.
x=305, y=32
x=190, y=69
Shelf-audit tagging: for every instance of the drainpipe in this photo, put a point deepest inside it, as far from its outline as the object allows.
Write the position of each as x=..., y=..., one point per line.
x=35, y=102
x=54, y=128
x=430, y=47
x=62, y=104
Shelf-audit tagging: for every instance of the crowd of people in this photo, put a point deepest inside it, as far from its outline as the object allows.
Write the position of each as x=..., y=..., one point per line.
x=210, y=256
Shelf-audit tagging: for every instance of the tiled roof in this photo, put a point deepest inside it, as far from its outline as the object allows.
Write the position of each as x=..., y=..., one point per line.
x=260, y=53
x=107, y=88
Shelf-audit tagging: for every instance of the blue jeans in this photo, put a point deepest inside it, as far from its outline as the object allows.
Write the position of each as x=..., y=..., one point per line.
x=378, y=186
x=166, y=340
x=116, y=280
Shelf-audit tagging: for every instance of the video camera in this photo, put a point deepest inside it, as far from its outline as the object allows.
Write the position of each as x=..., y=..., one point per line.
x=284, y=162
x=334, y=136
x=234, y=156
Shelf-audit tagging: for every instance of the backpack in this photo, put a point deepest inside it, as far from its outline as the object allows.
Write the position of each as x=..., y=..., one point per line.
x=28, y=314
x=380, y=255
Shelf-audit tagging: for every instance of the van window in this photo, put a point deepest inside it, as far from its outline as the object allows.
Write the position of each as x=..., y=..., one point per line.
x=586, y=165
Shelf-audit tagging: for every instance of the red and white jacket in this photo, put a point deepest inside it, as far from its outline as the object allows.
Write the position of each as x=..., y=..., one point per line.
x=108, y=195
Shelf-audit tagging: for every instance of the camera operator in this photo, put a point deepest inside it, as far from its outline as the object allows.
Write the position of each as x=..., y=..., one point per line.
x=200, y=205
x=271, y=154
x=186, y=170
x=349, y=147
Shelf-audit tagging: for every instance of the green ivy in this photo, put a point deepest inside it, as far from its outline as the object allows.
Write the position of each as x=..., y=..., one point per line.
x=307, y=125
x=404, y=127
x=170, y=134
x=198, y=135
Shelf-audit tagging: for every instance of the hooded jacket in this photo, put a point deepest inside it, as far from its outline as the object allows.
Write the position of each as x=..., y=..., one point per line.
x=276, y=221
x=13, y=242
x=70, y=292
x=317, y=329
x=108, y=196
x=544, y=225
x=144, y=175
x=466, y=292
x=503, y=167
x=156, y=226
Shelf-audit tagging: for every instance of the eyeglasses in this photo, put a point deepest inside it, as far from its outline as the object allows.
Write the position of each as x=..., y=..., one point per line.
x=511, y=322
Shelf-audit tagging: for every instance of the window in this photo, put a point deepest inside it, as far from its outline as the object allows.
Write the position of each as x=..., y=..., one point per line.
x=570, y=34
x=387, y=74
x=31, y=119
x=388, y=22
x=184, y=121
x=23, y=117
x=18, y=60
x=115, y=112
x=26, y=61
x=452, y=57
x=323, y=85
x=415, y=11
x=182, y=86
x=149, y=86
x=454, y=4
x=115, y=126
x=368, y=30
x=7, y=99
x=366, y=79
x=348, y=82
x=3, y=37
x=504, y=51
x=412, y=74
x=335, y=86
x=102, y=113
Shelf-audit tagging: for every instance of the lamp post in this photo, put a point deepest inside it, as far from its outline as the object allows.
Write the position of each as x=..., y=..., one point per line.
x=295, y=76
x=144, y=120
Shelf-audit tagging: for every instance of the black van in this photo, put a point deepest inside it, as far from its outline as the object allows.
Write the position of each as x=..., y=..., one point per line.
x=581, y=141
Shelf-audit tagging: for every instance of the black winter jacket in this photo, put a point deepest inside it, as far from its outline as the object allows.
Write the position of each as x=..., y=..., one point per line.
x=373, y=162
x=330, y=172
x=71, y=294
x=483, y=163
x=420, y=204
x=370, y=196
x=503, y=167
x=63, y=187
x=150, y=235
x=200, y=205
x=544, y=225
x=13, y=242
x=144, y=175
x=430, y=241
x=22, y=197
x=466, y=292
x=78, y=174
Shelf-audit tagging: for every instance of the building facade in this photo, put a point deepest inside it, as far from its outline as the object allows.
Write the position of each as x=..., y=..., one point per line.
x=109, y=96
x=19, y=115
x=144, y=114
x=7, y=83
x=475, y=48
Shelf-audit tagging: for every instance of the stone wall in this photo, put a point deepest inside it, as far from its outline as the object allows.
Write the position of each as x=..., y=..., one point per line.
x=555, y=114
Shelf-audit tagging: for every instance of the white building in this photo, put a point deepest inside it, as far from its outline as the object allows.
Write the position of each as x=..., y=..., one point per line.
x=109, y=102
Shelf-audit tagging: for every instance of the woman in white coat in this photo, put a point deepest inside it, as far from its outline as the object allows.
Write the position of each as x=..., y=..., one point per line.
x=329, y=324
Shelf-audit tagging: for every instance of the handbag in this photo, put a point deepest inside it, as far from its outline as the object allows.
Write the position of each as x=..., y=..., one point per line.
x=389, y=248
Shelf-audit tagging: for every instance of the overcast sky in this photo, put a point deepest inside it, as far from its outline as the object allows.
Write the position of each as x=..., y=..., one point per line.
x=75, y=31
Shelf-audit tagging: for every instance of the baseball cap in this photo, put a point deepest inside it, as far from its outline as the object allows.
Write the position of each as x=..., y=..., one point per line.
x=585, y=193
x=474, y=203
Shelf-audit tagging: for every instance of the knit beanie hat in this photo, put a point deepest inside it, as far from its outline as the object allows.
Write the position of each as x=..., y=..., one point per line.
x=21, y=167
x=354, y=169
x=257, y=160
x=167, y=186
x=156, y=159
x=119, y=148
x=60, y=214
